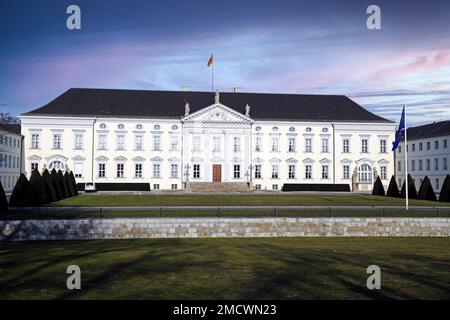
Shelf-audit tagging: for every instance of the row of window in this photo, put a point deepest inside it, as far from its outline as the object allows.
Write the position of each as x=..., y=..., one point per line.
x=9, y=141
x=8, y=182
x=420, y=146
x=139, y=126
x=420, y=165
x=9, y=161
x=436, y=182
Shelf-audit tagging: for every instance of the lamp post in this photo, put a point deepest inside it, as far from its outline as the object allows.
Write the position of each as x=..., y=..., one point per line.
x=186, y=175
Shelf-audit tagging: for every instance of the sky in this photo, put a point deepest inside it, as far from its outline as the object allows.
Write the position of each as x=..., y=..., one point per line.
x=313, y=47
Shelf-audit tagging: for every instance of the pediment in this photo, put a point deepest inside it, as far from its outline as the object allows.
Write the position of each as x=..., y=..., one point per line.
x=217, y=113
x=120, y=158
x=156, y=159
x=78, y=158
x=139, y=158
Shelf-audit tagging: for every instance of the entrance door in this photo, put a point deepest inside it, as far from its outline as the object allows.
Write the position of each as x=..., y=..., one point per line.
x=217, y=173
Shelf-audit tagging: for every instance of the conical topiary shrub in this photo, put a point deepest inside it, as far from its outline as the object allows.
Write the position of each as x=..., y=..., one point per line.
x=49, y=186
x=74, y=182
x=378, y=189
x=68, y=182
x=426, y=191
x=39, y=187
x=444, y=195
x=3, y=201
x=23, y=194
x=412, y=192
x=63, y=186
x=392, y=190
x=56, y=185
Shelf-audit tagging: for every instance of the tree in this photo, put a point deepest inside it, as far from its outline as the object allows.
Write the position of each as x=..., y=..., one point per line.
x=47, y=179
x=63, y=186
x=426, y=191
x=444, y=195
x=392, y=190
x=56, y=185
x=412, y=192
x=39, y=187
x=69, y=184
x=378, y=189
x=23, y=194
x=6, y=117
x=74, y=182
x=3, y=201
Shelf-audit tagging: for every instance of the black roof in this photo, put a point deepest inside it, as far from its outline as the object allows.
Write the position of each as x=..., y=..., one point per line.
x=170, y=104
x=434, y=129
x=10, y=127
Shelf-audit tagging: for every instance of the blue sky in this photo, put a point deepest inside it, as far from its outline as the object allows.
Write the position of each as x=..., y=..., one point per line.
x=316, y=46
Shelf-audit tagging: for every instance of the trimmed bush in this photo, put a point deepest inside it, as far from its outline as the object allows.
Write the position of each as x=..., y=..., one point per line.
x=23, y=194
x=63, y=186
x=49, y=186
x=378, y=189
x=412, y=192
x=3, y=201
x=392, y=190
x=74, y=183
x=426, y=191
x=39, y=187
x=315, y=187
x=69, y=184
x=444, y=195
x=56, y=185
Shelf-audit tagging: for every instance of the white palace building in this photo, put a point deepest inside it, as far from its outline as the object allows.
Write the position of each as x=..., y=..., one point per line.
x=181, y=139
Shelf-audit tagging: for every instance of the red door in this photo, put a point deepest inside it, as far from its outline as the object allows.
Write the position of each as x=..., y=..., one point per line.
x=217, y=173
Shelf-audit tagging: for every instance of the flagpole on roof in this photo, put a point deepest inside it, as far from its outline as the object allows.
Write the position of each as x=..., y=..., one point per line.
x=406, y=162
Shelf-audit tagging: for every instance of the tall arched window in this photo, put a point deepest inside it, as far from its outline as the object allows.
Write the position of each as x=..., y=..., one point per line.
x=364, y=173
x=57, y=165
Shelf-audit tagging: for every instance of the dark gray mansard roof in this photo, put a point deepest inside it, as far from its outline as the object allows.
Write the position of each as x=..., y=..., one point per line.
x=10, y=127
x=170, y=104
x=435, y=129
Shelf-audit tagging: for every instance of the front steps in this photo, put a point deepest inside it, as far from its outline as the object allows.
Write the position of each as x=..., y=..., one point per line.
x=225, y=187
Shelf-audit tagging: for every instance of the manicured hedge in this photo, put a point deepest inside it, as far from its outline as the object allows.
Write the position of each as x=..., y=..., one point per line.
x=444, y=195
x=426, y=191
x=392, y=190
x=74, y=183
x=69, y=185
x=23, y=194
x=117, y=186
x=3, y=201
x=49, y=186
x=378, y=189
x=56, y=185
x=37, y=182
x=412, y=192
x=62, y=184
x=315, y=187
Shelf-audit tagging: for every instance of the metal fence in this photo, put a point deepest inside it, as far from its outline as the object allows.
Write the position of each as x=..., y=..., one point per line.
x=221, y=211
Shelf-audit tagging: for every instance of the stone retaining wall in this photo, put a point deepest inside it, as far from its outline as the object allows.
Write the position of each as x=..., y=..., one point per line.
x=126, y=228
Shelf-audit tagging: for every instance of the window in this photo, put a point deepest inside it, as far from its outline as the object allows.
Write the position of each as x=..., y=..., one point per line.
x=274, y=187
x=345, y=145
x=196, y=143
x=173, y=143
x=258, y=128
x=101, y=170
x=275, y=169
x=291, y=129
x=138, y=170
x=291, y=144
x=139, y=126
x=57, y=141
x=78, y=141
x=120, y=142
x=308, y=129
x=308, y=171
x=428, y=145
x=420, y=146
x=308, y=145
x=444, y=163
x=364, y=145
x=413, y=165
x=156, y=170
x=420, y=165
x=156, y=143
x=138, y=142
x=346, y=171
x=237, y=171
x=258, y=144
x=382, y=146
x=119, y=172
x=174, y=127
x=291, y=171
x=413, y=147
x=35, y=141
x=120, y=126
x=236, y=144
x=444, y=143
x=325, y=145
x=257, y=187
x=57, y=165
x=157, y=127
x=156, y=186
x=258, y=171
x=399, y=166
x=436, y=183
x=174, y=186
x=325, y=171
x=196, y=171
x=399, y=149
x=34, y=166
x=216, y=144
x=428, y=164
x=364, y=173
x=274, y=144
x=436, y=164
x=78, y=169
x=436, y=144
x=102, y=126
x=102, y=142
x=174, y=170
x=383, y=172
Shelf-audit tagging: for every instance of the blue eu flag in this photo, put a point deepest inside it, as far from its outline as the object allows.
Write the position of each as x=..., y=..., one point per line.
x=401, y=127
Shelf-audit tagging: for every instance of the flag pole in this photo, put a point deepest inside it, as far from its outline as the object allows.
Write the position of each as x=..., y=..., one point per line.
x=406, y=162
x=212, y=77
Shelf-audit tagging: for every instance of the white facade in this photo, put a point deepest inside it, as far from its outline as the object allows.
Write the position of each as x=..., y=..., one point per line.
x=10, y=159
x=426, y=157
x=215, y=143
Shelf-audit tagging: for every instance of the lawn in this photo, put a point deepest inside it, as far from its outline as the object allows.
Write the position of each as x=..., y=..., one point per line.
x=279, y=268
x=239, y=200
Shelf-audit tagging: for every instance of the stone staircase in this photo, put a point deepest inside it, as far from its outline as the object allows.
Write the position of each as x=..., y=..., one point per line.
x=206, y=187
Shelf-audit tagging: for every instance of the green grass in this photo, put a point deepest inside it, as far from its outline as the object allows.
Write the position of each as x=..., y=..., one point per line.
x=279, y=268
x=235, y=200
